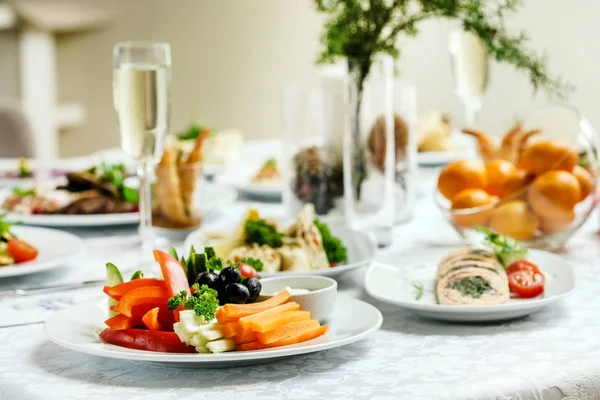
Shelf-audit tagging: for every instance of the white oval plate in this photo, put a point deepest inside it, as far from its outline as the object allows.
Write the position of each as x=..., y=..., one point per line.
x=76, y=329
x=215, y=196
x=56, y=249
x=393, y=279
x=361, y=252
x=241, y=180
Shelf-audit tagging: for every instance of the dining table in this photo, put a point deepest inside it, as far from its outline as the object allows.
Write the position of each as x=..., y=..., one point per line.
x=551, y=354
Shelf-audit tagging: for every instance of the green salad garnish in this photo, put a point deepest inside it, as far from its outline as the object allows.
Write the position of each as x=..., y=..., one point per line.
x=506, y=249
x=262, y=233
x=335, y=250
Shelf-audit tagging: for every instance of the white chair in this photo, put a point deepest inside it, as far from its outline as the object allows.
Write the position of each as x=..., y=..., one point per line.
x=16, y=137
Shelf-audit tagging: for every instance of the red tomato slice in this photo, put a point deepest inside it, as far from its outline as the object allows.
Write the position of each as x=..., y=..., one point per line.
x=526, y=284
x=522, y=265
x=248, y=271
x=21, y=251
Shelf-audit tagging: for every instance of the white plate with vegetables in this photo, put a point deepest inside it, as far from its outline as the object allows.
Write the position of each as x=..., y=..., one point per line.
x=139, y=321
x=305, y=247
x=27, y=250
x=471, y=284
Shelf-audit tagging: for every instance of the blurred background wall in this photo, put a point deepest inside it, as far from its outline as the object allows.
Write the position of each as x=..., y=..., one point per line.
x=232, y=57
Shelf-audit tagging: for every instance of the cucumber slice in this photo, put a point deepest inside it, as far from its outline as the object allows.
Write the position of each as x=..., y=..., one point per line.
x=137, y=275
x=221, y=345
x=113, y=278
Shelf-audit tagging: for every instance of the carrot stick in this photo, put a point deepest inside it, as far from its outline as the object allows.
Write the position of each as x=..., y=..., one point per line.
x=222, y=318
x=271, y=322
x=299, y=338
x=289, y=330
x=258, y=318
x=250, y=346
x=231, y=329
x=246, y=337
x=243, y=310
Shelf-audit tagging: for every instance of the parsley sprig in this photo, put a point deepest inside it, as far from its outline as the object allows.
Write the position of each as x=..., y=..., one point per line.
x=204, y=302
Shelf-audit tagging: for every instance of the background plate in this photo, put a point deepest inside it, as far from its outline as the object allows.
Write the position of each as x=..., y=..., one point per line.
x=393, y=279
x=361, y=251
x=56, y=249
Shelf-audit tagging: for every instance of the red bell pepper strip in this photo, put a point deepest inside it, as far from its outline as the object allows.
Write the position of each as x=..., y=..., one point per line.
x=116, y=292
x=174, y=275
x=155, y=295
x=120, y=322
x=140, y=339
x=165, y=316
x=150, y=319
x=173, y=272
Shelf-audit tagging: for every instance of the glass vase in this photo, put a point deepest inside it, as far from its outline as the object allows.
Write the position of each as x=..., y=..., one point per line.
x=369, y=163
x=312, y=164
x=406, y=164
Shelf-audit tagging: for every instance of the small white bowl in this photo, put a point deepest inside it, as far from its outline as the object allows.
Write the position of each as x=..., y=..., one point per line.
x=319, y=301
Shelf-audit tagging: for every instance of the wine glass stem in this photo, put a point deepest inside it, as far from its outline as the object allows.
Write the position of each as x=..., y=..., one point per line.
x=144, y=169
x=470, y=115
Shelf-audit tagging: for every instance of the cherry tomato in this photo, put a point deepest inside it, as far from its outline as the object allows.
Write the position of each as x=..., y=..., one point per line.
x=248, y=271
x=21, y=251
x=522, y=265
x=526, y=284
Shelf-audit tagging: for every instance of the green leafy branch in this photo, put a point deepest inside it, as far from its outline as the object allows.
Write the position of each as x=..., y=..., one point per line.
x=357, y=30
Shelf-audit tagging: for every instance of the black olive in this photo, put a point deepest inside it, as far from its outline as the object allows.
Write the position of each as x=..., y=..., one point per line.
x=237, y=293
x=209, y=279
x=229, y=275
x=223, y=298
x=254, y=287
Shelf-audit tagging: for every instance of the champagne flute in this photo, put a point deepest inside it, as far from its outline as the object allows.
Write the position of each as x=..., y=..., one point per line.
x=470, y=68
x=141, y=89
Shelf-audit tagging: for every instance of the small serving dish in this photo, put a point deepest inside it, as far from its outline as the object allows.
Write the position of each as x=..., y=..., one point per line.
x=316, y=294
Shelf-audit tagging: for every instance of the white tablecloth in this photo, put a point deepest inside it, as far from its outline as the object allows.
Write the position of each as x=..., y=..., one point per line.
x=550, y=355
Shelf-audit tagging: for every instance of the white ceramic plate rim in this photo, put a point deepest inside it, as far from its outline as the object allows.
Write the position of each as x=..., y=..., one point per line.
x=242, y=183
x=111, y=351
x=449, y=309
x=197, y=237
x=76, y=245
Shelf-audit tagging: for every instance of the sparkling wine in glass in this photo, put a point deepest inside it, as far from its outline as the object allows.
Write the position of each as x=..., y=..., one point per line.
x=141, y=89
x=470, y=68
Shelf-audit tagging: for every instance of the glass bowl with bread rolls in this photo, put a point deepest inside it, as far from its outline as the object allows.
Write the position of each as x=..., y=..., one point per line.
x=537, y=183
x=176, y=187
